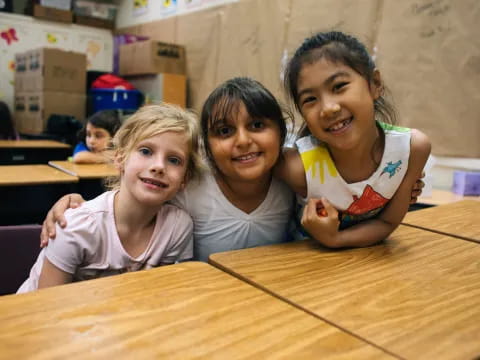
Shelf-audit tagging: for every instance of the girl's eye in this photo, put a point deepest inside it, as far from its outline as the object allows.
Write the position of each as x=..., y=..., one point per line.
x=307, y=100
x=257, y=125
x=339, y=86
x=175, y=160
x=145, y=151
x=224, y=131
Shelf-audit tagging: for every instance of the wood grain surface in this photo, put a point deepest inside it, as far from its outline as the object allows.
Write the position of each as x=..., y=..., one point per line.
x=441, y=197
x=184, y=311
x=459, y=219
x=33, y=175
x=33, y=144
x=85, y=171
x=417, y=294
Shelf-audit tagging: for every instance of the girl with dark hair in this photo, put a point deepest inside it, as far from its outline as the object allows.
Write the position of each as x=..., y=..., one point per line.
x=353, y=168
x=95, y=137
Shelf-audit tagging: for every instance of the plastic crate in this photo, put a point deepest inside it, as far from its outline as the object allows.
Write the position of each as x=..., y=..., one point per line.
x=104, y=99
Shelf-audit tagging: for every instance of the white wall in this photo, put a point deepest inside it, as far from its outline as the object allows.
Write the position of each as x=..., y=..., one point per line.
x=31, y=33
x=156, y=10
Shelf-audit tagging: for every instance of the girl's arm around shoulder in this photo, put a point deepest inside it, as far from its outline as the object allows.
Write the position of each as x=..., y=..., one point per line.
x=289, y=168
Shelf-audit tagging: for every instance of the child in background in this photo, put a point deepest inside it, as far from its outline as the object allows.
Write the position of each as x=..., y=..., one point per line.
x=95, y=137
x=7, y=129
x=131, y=227
x=348, y=162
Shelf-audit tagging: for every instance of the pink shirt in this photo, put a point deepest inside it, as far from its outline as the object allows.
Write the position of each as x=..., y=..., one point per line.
x=89, y=247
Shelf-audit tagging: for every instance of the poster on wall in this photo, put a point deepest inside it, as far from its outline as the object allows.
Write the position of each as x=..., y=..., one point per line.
x=140, y=7
x=169, y=7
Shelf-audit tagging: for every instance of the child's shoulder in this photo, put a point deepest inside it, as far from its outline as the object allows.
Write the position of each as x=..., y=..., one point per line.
x=420, y=143
x=175, y=213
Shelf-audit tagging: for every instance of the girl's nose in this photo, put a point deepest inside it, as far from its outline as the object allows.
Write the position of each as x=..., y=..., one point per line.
x=243, y=137
x=158, y=166
x=330, y=109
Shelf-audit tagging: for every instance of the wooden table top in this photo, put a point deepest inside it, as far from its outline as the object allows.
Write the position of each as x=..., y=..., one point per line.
x=85, y=171
x=459, y=219
x=182, y=311
x=33, y=175
x=33, y=144
x=417, y=294
x=440, y=197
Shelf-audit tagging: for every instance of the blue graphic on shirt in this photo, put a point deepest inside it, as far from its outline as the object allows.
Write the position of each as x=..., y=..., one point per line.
x=392, y=168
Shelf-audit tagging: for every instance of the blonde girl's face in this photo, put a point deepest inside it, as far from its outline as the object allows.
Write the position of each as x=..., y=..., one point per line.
x=155, y=170
x=337, y=103
x=243, y=148
x=97, y=139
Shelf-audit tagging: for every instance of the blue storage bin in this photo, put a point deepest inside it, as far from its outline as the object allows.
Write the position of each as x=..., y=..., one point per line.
x=105, y=99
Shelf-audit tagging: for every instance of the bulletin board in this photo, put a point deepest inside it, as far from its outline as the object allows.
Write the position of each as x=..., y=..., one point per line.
x=20, y=33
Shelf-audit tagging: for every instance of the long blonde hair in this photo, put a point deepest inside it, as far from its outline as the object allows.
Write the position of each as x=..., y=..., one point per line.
x=151, y=120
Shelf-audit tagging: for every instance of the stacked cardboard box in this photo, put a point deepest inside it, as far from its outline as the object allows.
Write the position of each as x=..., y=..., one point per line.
x=48, y=81
x=157, y=69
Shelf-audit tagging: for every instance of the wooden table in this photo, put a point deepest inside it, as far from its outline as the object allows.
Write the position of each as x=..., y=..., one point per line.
x=184, y=311
x=33, y=175
x=85, y=171
x=441, y=197
x=416, y=295
x=17, y=152
x=91, y=176
x=459, y=219
x=28, y=191
x=38, y=144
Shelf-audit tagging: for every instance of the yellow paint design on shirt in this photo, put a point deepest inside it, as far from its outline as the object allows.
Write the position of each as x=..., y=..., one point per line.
x=321, y=157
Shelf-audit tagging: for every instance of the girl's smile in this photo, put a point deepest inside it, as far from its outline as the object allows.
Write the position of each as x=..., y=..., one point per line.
x=155, y=170
x=337, y=104
x=245, y=149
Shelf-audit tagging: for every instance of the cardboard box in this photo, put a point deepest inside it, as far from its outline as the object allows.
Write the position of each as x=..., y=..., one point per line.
x=57, y=4
x=52, y=14
x=170, y=88
x=152, y=57
x=95, y=22
x=32, y=109
x=48, y=69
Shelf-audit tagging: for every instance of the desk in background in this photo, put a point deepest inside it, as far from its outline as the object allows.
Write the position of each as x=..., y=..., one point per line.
x=459, y=219
x=17, y=152
x=183, y=311
x=442, y=197
x=28, y=191
x=91, y=176
x=416, y=295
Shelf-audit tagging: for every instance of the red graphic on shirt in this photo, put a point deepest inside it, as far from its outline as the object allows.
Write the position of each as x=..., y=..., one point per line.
x=9, y=35
x=369, y=200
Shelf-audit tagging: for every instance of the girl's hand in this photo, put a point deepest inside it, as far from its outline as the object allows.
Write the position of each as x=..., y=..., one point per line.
x=56, y=215
x=417, y=189
x=320, y=219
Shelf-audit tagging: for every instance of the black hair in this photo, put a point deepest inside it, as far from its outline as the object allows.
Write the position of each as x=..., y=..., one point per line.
x=7, y=129
x=336, y=47
x=109, y=120
x=224, y=101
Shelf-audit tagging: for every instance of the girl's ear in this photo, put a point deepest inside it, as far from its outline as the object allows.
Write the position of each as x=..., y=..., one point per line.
x=376, y=85
x=118, y=162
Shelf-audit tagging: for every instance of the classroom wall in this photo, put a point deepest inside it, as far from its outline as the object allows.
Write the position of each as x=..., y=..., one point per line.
x=428, y=51
x=21, y=33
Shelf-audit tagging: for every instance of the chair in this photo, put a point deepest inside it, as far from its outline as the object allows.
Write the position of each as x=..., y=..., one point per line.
x=19, y=248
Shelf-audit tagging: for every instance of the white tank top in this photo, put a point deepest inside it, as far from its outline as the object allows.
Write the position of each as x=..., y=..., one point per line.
x=362, y=200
